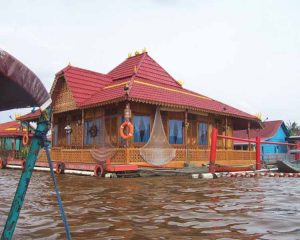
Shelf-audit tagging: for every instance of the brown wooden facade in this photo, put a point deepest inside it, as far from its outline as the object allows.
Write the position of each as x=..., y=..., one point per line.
x=71, y=148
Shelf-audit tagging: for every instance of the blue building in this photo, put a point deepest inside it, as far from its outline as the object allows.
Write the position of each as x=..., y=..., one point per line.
x=272, y=131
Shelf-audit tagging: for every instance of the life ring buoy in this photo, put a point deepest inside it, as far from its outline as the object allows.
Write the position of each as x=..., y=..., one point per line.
x=98, y=171
x=130, y=130
x=25, y=139
x=60, y=168
x=93, y=131
x=23, y=164
x=2, y=164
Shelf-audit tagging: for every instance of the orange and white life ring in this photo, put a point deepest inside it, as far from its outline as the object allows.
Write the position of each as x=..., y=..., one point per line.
x=130, y=130
x=25, y=139
x=2, y=163
x=60, y=168
x=23, y=162
x=98, y=171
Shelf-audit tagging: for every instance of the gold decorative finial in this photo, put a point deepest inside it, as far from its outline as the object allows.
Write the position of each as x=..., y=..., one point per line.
x=129, y=55
x=144, y=50
x=17, y=115
x=181, y=82
x=136, y=52
x=135, y=69
x=259, y=115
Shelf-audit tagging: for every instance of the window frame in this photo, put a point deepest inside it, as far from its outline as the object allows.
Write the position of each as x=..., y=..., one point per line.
x=182, y=131
x=198, y=133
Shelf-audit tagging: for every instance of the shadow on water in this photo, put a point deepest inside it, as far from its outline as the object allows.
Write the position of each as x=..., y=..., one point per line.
x=156, y=208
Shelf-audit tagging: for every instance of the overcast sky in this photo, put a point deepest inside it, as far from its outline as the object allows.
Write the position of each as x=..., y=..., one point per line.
x=243, y=53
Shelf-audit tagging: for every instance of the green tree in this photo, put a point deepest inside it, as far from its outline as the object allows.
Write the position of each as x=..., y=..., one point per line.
x=293, y=128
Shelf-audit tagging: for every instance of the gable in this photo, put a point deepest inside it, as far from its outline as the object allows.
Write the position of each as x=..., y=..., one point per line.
x=279, y=136
x=142, y=66
x=62, y=96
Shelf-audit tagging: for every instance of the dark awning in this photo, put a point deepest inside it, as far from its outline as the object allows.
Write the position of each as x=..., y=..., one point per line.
x=19, y=86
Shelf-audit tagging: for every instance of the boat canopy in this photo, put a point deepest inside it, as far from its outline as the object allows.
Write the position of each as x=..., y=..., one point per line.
x=19, y=86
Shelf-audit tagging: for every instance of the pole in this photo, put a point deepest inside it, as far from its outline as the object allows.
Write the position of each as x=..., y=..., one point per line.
x=213, y=150
x=297, y=155
x=11, y=222
x=186, y=136
x=59, y=201
x=258, y=153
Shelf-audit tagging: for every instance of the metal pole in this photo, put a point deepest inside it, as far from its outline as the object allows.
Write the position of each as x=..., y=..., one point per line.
x=258, y=167
x=59, y=201
x=11, y=222
x=213, y=150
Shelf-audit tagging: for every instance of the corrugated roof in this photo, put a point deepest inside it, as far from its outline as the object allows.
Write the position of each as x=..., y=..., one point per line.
x=32, y=116
x=10, y=129
x=147, y=81
x=268, y=131
x=83, y=83
x=143, y=66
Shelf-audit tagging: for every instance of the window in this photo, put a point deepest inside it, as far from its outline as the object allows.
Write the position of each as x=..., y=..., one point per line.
x=141, y=128
x=55, y=134
x=87, y=135
x=175, y=132
x=202, y=134
x=68, y=138
x=100, y=133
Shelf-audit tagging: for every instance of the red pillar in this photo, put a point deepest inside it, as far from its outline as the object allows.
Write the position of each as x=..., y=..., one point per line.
x=297, y=155
x=257, y=153
x=213, y=150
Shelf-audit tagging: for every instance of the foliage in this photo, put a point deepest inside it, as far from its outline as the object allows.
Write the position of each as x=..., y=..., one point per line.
x=293, y=128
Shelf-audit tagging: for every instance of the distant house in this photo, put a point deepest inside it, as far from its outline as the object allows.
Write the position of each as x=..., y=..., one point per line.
x=272, y=131
x=11, y=134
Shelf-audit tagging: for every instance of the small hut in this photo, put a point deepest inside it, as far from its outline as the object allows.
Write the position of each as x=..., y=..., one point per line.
x=12, y=145
x=169, y=125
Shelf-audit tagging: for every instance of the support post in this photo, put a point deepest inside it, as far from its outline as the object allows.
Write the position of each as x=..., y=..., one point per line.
x=297, y=155
x=82, y=128
x=42, y=127
x=186, y=125
x=213, y=150
x=248, y=130
x=258, y=153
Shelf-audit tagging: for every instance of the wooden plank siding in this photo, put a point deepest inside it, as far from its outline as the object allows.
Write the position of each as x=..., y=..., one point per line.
x=75, y=151
x=197, y=157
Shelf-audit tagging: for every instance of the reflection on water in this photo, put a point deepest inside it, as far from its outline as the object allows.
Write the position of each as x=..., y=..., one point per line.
x=156, y=208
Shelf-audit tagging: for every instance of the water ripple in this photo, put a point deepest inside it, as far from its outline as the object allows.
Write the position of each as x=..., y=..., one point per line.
x=156, y=208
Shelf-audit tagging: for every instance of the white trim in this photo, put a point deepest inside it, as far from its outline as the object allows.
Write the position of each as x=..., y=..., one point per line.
x=46, y=104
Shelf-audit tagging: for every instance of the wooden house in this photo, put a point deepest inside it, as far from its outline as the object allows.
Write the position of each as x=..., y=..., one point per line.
x=11, y=141
x=83, y=100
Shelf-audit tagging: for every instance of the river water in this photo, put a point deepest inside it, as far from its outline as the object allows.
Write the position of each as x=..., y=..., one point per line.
x=156, y=208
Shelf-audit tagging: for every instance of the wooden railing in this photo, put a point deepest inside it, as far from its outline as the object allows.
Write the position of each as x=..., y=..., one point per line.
x=196, y=157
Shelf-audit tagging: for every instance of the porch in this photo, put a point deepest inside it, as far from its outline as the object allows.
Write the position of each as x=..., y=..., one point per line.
x=194, y=157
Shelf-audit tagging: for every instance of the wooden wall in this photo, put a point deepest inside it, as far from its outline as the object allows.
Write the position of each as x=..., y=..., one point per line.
x=62, y=97
x=114, y=112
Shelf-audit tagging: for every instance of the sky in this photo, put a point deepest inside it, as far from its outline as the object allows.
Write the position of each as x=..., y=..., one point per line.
x=243, y=53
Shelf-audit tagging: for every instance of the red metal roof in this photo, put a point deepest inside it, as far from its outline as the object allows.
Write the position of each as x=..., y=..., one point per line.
x=143, y=66
x=269, y=130
x=148, y=82
x=10, y=129
x=84, y=83
x=32, y=116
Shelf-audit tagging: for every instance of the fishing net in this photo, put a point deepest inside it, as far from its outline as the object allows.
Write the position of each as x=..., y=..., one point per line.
x=157, y=151
x=105, y=150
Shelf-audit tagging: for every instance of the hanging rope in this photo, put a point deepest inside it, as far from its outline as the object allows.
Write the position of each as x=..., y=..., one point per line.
x=45, y=144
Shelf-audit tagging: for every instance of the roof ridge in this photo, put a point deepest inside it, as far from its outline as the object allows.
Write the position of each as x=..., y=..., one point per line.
x=69, y=67
x=135, y=72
